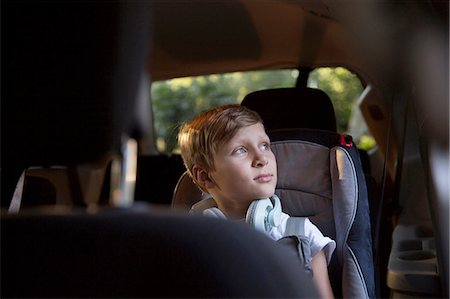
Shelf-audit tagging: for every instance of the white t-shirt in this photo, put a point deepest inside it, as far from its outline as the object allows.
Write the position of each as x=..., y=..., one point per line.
x=316, y=239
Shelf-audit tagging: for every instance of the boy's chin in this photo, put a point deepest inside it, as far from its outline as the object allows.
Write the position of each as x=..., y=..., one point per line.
x=265, y=194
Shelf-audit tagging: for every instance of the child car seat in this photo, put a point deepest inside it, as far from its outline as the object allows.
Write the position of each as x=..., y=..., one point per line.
x=325, y=182
x=319, y=176
x=308, y=193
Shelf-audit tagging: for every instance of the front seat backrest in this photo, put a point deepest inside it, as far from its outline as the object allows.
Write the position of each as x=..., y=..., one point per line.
x=69, y=99
x=142, y=253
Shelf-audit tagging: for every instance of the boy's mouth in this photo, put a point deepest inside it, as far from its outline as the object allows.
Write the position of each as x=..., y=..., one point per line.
x=263, y=178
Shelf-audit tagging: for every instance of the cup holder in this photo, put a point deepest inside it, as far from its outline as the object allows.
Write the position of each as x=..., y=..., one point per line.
x=416, y=255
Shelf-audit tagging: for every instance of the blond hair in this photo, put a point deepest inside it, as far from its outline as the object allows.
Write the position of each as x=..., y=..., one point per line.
x=201, y=138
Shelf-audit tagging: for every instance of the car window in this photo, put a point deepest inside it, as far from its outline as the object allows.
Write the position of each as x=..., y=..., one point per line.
x=344, y=89
x=177, y=100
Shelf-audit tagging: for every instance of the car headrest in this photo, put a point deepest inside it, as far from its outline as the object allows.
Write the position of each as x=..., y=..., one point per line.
x=284, y=108
x=73, y=77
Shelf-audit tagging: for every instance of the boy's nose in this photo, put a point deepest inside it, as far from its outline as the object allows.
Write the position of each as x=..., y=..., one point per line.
x=260, y=160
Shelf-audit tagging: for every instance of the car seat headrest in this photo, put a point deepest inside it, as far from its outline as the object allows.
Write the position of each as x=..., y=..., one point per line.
x=284, y=108
x=73, y=76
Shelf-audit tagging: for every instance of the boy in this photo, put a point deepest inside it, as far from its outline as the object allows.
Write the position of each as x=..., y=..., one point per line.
x=227, y=153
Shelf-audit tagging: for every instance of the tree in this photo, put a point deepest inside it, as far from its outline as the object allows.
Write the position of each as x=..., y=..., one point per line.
x=343, y=87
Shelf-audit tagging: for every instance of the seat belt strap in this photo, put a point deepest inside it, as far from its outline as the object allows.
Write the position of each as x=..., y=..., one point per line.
x=295, y=226
x=16, y=200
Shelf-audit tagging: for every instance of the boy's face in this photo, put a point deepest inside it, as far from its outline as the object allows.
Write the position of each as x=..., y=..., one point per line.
x=245, y=168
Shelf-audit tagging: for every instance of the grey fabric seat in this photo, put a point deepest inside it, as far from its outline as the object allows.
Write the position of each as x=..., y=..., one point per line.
x=320, y=176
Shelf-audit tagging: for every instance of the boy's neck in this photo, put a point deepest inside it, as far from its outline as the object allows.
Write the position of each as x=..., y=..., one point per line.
x=233, y=211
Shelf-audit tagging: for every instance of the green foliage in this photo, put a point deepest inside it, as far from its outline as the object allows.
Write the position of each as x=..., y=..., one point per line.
x=178, y=100
x=343, y=87
x=366, y=142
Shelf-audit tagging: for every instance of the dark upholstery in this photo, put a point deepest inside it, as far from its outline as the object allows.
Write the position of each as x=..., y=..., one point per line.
x=157, y=177
x=69, y=91
x=132, y=254
x=284, y=108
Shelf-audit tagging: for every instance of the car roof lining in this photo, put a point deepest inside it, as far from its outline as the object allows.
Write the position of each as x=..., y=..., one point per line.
x=204, y=33
x=300, y=34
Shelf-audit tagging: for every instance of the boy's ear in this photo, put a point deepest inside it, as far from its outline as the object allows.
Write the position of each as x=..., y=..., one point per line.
x=202, y=178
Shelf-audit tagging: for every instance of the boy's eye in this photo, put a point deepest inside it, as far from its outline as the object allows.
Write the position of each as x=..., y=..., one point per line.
x=265, y=146
x=240, y=150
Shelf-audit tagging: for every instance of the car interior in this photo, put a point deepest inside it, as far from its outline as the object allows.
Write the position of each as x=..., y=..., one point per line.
x=96, y=201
